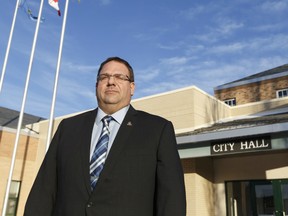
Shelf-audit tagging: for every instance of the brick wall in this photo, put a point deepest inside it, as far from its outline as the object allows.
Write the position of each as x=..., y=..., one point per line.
x=259, y=91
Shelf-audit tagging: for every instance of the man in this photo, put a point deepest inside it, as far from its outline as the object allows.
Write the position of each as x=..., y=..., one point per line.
x=142, y=173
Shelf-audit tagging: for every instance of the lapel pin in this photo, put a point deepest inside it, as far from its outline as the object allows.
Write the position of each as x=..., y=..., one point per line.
x=129, y=123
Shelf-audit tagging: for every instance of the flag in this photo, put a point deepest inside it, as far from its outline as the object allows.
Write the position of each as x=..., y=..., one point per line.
x=32, y=17
x=54, y=4
x=26, y=8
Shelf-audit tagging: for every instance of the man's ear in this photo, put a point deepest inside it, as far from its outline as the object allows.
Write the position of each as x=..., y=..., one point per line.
x=132, y=86
x=96, y=88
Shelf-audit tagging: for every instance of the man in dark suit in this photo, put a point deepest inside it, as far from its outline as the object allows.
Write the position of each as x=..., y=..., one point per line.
x=142, y=174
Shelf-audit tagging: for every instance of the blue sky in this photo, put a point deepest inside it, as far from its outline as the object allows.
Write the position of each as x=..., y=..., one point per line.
x=171, y=44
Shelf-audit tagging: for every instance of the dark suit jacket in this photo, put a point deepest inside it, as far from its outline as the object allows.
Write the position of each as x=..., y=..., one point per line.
x=142, y=175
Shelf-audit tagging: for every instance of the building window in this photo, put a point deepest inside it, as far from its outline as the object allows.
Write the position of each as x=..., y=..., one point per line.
x=230, y=102
x=282, y=93
x=257, y=197
x=13, y=198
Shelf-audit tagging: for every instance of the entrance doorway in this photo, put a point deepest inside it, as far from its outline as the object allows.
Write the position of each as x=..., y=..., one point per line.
x=257, y=198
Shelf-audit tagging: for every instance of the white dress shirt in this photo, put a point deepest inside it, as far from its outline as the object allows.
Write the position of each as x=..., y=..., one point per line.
x=114, y=126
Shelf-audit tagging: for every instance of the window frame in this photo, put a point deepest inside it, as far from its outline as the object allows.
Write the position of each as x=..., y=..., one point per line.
x=230, y=102
x=281, y=93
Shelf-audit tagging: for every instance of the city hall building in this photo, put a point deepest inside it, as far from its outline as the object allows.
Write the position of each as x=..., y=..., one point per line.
x=233, y=146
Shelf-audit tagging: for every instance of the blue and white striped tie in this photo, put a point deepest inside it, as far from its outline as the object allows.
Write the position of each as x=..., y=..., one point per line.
x=100, y=151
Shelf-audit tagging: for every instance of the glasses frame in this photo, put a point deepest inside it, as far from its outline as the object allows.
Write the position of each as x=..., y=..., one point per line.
x=118, y=77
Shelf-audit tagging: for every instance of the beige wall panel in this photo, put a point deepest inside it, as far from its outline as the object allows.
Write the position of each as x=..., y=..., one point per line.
x=27, y=181
x=23, y=166
x=251, y=166
x=219, y=199
x=190, y=195
x=199, y=186
x=4, y=170
x=204, y=195
x=190, y=182
x=261, y=106
x=172, y=105
x=186, y=108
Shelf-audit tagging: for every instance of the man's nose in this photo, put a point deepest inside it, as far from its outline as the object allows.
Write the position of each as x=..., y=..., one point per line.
x=111, y=80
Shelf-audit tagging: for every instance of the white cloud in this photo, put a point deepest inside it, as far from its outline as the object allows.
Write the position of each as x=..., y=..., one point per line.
x=193, y=12
x=176, y=61
x=228, y=26
x=223, y=29
x=82, y=68
x=158, y=87
x=146, y=75
x=227, y=48
x=268, y=27
x=168, y=47
x=276, y=6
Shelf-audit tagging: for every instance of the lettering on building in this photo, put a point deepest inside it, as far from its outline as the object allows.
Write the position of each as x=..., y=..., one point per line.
x=246, y=144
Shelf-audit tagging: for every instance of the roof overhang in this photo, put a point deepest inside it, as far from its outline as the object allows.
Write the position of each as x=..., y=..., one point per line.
x=199, y=145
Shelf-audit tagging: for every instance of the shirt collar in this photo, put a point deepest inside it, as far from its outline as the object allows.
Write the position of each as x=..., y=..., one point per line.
x=117, y=116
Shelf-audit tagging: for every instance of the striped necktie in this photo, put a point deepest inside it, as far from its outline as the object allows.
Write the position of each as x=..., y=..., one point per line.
x=100, y=151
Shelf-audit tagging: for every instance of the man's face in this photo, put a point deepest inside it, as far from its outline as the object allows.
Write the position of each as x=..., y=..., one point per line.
x=113, y=93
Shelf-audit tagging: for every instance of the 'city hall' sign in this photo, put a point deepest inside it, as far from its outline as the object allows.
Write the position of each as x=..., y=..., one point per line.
x=241, y=145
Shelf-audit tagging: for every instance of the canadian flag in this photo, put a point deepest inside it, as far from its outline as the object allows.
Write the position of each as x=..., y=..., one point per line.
x=54, y=4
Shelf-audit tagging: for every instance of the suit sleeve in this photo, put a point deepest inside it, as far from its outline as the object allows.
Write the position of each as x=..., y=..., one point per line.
x=42, y=195
x=170, y=187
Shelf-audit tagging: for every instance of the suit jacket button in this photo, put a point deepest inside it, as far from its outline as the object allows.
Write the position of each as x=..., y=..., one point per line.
x=90, y=204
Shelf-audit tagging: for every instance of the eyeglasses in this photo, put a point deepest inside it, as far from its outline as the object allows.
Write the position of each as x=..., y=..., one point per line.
x=117, y=77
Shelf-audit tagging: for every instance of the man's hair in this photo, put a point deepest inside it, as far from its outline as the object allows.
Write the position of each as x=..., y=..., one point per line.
x=120, y=60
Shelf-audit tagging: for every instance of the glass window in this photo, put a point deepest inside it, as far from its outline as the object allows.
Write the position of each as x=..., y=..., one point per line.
x=282, y=93
x=230, y=102
x=257, y=197
x=238, y=198
x=13, y=198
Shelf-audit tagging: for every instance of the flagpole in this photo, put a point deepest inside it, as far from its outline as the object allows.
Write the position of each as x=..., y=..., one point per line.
x=51, y=119
x=22, y=112
x=8, y=46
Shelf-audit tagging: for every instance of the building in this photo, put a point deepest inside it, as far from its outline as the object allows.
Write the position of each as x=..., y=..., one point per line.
x=26, y=152
x=235, y=158
x=262, y=86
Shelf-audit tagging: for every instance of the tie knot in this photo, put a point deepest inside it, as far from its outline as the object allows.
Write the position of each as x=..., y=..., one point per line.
x=106, y=120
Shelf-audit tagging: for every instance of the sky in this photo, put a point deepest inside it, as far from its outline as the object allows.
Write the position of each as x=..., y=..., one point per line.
x=171, y=44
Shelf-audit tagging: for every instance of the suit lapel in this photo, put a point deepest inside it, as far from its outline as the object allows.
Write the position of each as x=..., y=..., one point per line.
x=87, y=129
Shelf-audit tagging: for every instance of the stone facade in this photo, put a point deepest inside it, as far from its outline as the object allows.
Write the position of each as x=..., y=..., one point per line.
x=253, y=92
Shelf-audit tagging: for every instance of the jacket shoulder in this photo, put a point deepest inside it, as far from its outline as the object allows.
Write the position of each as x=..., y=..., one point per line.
x=84, y=119
x=84, y=115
